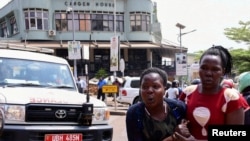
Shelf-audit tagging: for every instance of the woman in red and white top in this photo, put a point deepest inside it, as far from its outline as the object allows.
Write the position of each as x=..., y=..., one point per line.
x=208, y=102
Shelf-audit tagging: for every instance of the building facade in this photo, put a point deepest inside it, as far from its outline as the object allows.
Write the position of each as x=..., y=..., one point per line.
x=52, y=23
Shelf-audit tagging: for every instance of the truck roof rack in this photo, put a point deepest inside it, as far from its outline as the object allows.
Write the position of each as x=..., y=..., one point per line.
x=16, y=46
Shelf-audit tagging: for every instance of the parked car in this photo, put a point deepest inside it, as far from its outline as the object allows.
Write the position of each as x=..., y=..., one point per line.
x=129, y=91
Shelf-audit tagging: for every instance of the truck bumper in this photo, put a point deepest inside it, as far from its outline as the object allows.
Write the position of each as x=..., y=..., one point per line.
x=38, y=132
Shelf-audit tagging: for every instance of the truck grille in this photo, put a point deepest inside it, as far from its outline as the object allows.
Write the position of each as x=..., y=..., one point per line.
x=52, y=113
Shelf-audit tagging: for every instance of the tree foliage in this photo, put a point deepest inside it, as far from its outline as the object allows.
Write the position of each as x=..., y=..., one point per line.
x=241, y=57
x=241, y=60
x=240, y=34
x=101, y=73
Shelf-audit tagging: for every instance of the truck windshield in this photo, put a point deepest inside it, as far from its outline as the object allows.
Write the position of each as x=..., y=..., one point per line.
x=16, y=71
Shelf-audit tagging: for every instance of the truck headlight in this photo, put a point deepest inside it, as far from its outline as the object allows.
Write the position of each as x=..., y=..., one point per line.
x=14, y=113
x=100, y=115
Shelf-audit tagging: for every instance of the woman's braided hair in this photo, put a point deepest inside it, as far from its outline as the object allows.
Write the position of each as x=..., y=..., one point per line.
x=224, y=54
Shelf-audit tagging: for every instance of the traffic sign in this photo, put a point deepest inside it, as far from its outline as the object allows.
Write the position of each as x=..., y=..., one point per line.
x=109, y=89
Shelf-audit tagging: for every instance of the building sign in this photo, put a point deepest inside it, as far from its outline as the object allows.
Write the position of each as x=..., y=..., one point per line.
x=114, y=53
x=97, y=4
x=74, y=50
x=181, y=64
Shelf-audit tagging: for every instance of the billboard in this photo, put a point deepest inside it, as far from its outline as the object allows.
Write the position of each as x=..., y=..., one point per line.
x=114, y=53
x=181, y=64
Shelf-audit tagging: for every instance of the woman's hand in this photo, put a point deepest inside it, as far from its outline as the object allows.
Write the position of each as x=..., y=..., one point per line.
x=170, y=138
x=179, y=137
x=183, y=129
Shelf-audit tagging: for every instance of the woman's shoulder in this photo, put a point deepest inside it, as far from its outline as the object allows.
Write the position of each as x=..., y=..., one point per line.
x=136, y=108
x=231, y=94
x=189, y=89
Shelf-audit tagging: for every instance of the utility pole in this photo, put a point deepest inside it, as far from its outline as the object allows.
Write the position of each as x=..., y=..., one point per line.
x=180, y=26
x=73, y=26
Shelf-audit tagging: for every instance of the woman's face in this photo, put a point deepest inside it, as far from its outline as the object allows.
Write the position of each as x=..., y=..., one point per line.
x=211, y=71
x=152, y=89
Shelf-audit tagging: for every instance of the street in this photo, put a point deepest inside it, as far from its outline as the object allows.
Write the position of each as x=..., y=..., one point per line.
x=117, y=120
x=119, y=127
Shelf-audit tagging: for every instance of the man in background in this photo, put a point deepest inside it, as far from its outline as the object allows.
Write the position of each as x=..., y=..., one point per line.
x=82, y=85
x=100, y=84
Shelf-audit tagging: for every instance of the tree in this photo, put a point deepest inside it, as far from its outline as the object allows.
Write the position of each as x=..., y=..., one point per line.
x=241, y=34
x=241, y=60
x=241, y=57
x=101, y=73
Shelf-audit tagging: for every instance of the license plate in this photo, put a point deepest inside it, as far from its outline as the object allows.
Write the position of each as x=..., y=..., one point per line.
x=63, y=137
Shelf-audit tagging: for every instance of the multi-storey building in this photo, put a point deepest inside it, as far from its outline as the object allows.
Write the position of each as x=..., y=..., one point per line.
x=52, y=23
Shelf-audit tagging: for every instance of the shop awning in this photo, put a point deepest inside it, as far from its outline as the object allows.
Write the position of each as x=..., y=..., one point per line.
x=161, y=48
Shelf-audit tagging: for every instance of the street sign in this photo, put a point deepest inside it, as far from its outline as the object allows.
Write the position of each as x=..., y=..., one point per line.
x=109, y=89
x=74, y=50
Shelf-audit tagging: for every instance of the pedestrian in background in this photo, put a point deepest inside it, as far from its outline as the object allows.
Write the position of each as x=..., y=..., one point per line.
x=109, y=81
x=173, y=91
x=78, y=84
x=208, y=103
x=100, y=84
x=81, y=84
x=118, y=84
x=244, y=88
x=227, y=83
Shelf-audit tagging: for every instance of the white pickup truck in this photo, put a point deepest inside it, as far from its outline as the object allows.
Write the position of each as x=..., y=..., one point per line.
x=39, y=101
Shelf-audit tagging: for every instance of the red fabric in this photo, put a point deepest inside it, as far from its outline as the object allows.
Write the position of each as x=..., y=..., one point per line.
x=245, y=104
x=227, y=83
x=209, y=108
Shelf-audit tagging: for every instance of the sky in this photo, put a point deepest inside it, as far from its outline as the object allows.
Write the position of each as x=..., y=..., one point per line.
x=208, y=17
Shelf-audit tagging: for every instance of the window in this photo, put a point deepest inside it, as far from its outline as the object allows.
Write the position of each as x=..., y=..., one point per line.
x=13, y=25
x=70, y=17
x=139, y=21
x=119, y=23
x=36, y=19
x=85, y=22
x=37, y=72
x=135, y=83
x=105, y=22
x=89, y=22
x=61, y=22
x=97, y=22
x=4, y=31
